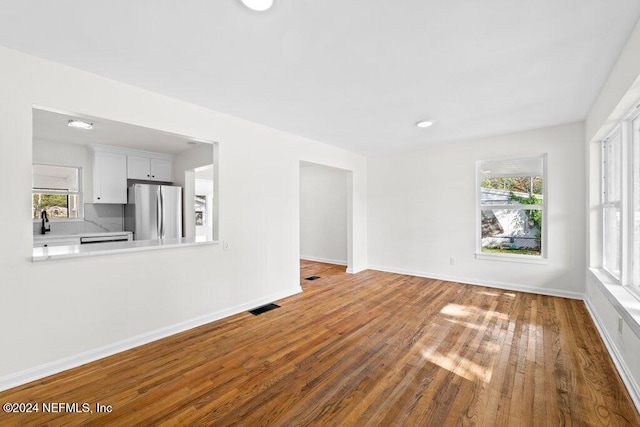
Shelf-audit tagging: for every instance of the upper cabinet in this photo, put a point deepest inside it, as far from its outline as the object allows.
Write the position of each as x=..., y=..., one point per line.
x=150, y=167
x=112, y=166
x=161, y=169
x=109, y=176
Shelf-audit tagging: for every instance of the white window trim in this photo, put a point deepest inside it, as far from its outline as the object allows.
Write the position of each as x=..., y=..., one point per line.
x=633, y=119
x=80, y=193
x=625, y=128
x=529, y=259
x=604, y=196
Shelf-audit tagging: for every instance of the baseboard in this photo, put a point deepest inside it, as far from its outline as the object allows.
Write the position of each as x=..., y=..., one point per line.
x=57, y=366
x=354, y=270
x=325, y=260
x=632, y=387
x=487, y=283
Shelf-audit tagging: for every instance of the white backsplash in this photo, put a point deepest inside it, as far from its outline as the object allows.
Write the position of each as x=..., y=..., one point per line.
x=98, y=218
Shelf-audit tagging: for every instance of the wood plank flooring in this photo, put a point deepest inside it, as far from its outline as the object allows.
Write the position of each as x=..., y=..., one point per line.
x=366, y=349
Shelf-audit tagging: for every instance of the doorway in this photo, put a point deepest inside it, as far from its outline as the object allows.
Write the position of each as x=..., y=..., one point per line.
x=325, y=214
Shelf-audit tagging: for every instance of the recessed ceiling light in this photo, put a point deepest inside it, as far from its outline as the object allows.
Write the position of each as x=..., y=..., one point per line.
x=259, y=5
x=424, y=123
x=80, y=124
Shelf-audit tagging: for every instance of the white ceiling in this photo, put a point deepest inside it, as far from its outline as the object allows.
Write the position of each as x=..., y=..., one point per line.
x=356, y=74
x=53, y=127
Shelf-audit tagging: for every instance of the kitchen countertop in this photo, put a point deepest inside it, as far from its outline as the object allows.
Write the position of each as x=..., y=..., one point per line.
x=74, y=251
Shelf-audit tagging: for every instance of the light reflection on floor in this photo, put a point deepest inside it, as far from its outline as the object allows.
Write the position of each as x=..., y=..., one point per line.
x=458, y=365
x=476, y=319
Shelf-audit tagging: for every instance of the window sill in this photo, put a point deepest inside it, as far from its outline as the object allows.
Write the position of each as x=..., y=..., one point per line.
x=526, y=259
x=624, y=301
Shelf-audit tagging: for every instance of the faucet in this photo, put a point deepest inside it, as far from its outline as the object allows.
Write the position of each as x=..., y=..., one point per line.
x=44, y=217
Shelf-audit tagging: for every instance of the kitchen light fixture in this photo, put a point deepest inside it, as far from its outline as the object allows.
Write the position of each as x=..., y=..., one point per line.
x=424, y=123
x=80, y=124
x=258, y=5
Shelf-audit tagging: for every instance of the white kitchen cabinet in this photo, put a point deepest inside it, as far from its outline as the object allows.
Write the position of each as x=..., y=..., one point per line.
x=138, y=167
x=161, y=170
x=109, y=177
x=149, y=167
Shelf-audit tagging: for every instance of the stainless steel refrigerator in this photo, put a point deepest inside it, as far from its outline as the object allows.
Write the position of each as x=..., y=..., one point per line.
x=153, y=211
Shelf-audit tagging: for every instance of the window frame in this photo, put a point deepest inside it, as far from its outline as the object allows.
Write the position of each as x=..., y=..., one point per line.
x=634, y=160
x=629, y=148
x=79, y=193
x=607, y=202
x=533, y=259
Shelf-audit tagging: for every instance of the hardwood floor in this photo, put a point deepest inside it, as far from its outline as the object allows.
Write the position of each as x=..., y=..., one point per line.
x=366, y=349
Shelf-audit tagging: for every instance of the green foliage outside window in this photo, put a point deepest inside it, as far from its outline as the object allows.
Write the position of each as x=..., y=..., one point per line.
x=56, y=205
x=520, y=184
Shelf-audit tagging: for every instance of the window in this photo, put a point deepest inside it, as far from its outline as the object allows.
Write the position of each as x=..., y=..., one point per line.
x=611, y=203
x=511, y=208
x=635, y=255
x=621, y=202
x=56, y=190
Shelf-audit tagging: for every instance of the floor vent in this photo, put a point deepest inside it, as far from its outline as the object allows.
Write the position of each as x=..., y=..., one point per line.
x=312, y=278
x=263, y=309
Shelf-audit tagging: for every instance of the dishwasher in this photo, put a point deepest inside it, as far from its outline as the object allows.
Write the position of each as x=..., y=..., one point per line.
x=124, y=237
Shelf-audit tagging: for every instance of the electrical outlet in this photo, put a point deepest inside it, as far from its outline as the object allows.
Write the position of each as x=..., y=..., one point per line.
x=620, y=322
x=452, y=261
x=225, y=245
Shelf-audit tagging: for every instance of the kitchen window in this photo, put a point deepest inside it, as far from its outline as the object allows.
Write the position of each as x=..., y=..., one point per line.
x=511, y=209
x=56, y=190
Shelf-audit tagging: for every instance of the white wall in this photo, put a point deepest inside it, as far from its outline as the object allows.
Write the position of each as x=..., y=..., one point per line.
x=422, y=212
x=198, y=156
x=607, y=301
x=184, y=165
x=60, y=309
x=620, y=90
x=323, y=214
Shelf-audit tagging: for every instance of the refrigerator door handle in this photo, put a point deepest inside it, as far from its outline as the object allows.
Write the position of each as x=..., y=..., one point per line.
x=159, y=213
x=162, y=215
